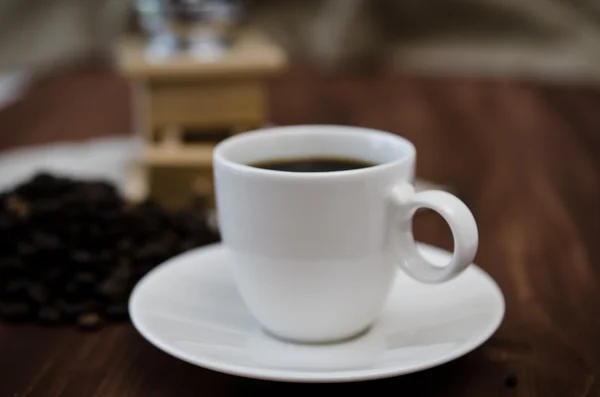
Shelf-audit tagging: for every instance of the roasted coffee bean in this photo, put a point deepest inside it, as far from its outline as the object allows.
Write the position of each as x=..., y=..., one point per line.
x=72, y=310
x=81, y=257
x=37, y=293
x=99, y=190
x=5, y=223
x=80, y=245
x=75, y=291
x=16, y=290
x=17, y=205
x=38, y=185
x=124, y=246
x=26, y=250
x=44, y=241
x=124, y=268
x=11, y=268
x=149, y=207
x=49, y=315
x=90, y=321
x=143, y=255
x=75, y=231
x=85, y=279
x=15, y=311
x=141, y=270
x=95, y=232
x=104, y=256
x=113, y=289
x=51, y=272
x=117, y=311
x=44, y=208
x=187, y=245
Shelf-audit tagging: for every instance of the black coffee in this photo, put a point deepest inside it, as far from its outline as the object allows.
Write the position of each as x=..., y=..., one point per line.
x=313, y=164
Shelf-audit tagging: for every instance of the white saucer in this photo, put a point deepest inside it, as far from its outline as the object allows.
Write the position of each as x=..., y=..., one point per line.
x=190, y=308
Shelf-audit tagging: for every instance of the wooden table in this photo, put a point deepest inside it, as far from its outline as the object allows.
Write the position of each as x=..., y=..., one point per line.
x=524, y=157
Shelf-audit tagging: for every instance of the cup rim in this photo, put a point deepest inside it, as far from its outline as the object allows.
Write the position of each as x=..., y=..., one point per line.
x=302, y=129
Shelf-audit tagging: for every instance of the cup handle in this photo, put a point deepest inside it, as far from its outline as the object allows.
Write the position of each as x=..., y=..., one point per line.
x=460, y=219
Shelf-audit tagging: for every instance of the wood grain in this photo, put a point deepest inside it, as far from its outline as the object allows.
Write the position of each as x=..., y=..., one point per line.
x=206, y=105
x=524, y=157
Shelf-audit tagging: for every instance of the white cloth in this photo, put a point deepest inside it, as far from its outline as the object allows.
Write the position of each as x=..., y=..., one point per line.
x=102, y=158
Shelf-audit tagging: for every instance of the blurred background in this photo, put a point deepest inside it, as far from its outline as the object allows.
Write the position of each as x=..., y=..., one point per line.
x=68, y=68
x=500, y=97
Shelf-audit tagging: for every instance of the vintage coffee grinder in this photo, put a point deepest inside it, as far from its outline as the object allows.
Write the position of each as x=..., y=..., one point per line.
x=198, y=77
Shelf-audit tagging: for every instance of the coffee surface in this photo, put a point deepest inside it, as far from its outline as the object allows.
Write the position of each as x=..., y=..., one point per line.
x=313, y=164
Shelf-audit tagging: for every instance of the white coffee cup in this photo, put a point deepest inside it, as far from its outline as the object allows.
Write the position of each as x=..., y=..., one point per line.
x=314, y=254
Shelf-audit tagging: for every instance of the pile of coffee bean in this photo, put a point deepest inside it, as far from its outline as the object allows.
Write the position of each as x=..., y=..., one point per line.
x=71, y=251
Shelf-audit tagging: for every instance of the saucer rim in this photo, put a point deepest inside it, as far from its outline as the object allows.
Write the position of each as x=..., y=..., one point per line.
x=304, y=376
